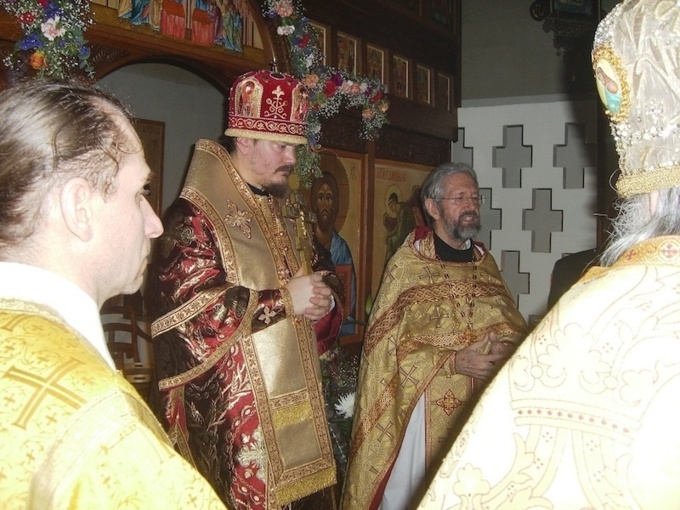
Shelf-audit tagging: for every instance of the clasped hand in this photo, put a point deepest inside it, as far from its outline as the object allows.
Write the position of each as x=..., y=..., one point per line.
x=310, y=294
x=471, y=360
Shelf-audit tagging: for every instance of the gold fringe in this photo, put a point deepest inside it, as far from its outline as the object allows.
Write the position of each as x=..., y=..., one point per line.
x=308, y=485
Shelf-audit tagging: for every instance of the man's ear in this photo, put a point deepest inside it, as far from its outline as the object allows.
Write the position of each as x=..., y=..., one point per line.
x=432, y=208
x=244, y=144
x=76, y=202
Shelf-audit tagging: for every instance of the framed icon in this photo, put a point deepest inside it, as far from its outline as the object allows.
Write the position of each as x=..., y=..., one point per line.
x=322, y=32
x=375, y=62
x=442, y=97
x=399, y=85
x=423, y=85
x=346, y=53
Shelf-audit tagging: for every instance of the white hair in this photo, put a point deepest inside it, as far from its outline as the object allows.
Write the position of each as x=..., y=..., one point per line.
x=636, y=222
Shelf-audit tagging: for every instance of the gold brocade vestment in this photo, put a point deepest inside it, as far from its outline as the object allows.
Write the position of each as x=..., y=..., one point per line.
x=76, y=435
x=585, y=413
x=280, y=363
x=425, y=311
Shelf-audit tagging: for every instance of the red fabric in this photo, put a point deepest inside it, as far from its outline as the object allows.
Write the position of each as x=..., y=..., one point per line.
x=327, y=329
x=173, y=19
x=216, y=411
x=214, y=415
x=202, y=28
x=421, y=231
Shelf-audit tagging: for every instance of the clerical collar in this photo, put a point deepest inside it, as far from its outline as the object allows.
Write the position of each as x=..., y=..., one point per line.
x=450, y=254
x=258, y=191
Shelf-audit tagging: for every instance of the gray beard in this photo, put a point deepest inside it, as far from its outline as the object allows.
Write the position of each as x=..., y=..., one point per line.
x=462, y=233
x=465, y=233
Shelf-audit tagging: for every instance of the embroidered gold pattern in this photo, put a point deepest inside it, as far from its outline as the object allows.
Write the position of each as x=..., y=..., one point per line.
x=240, y=219
x=449, y=402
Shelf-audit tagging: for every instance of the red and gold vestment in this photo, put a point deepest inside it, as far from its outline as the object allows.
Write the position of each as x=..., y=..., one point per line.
x=239, y=374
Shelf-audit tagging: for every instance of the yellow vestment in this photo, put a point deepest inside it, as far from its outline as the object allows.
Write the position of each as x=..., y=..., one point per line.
x=585, y=413
x=73, y=433
x=425, y=311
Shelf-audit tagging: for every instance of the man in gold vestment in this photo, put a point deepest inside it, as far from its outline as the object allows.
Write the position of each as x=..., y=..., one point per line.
x=585, y=413
x=75, y=230
x=235, y=342
x=442, y=324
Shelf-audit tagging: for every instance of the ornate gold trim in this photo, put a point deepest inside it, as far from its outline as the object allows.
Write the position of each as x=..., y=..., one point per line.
x=185, y=312
x=606, y=54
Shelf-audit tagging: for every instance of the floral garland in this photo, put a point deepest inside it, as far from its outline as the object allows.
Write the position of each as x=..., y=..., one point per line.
x=339, y=375
x=330, y=89
x=53, y=41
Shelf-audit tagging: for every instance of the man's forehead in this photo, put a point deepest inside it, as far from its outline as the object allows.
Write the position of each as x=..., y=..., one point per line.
x=460, y=180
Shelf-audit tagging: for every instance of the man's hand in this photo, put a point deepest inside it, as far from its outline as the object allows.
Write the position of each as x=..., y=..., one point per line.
x=311, y=296
x=471, y=362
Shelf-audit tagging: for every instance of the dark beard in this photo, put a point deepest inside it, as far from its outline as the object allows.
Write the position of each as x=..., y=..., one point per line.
x=279, y=190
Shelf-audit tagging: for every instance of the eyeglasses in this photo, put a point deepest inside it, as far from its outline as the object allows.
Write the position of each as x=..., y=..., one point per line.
x=474, y=199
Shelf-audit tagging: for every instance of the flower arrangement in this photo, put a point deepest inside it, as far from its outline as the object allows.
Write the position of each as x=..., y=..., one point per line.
x=339, y=375
x=330, y=89
x=53, y=41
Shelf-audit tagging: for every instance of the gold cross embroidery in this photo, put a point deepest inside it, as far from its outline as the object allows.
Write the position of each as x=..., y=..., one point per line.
x=237, y=218
x=449, y=402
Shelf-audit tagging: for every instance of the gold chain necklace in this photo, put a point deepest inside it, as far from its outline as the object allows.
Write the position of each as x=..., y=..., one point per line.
x=467, y=308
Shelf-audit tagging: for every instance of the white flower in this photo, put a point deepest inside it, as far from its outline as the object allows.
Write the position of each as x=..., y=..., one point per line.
x=285, y=30
x=51, y=30
x=345, y=405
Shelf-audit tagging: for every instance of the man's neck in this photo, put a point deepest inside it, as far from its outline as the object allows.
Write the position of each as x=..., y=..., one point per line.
x=257, y=191
x=448, y=253
x=456, y=244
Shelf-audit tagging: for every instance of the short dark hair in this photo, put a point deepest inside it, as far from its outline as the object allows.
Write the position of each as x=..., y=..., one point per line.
x=228, y=142
x=50, y=133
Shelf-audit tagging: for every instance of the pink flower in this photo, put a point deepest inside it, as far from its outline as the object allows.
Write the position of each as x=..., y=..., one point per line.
x=368, y=113
x=350, y=87
x=51, y=29
x=283, y=8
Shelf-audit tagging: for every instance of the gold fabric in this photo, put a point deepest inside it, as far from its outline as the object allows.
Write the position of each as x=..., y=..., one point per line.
x=425, y=311
x=636, y=75
x=73, y=433
x=282, y=361
x=584, y=415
